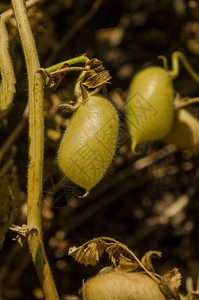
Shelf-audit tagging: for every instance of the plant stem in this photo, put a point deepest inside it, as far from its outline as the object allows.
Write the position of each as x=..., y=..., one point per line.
x=176, y=56
x=76, y=60
x=6, y=69
x=185, y=102
x=36, y=149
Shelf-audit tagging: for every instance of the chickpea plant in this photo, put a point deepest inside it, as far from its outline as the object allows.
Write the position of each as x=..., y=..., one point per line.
x=93, y=127
x=93, y=118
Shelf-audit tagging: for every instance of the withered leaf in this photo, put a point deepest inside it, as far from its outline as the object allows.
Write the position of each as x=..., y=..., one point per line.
x=170, y=283
x=89, y=255
x=146, y=259
x=77, y=253
x=114, y=252
x=126, y=264
x=67, y=107
x=101, y=245
x=94, y=79
x=174, y=277
x=96, y=64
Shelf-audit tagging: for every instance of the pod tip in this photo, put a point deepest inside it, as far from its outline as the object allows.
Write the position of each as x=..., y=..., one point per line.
x=84, y=195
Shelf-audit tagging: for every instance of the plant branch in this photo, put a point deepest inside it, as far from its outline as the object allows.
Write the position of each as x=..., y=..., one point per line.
x=175, y=58
x=6, y=68
x=185, y=102
x=6, y=15
x=76, y=60
x=36, y=149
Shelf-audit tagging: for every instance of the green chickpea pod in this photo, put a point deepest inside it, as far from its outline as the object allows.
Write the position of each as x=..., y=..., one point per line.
x=122, y=286
x=89, y=142
x=185, y=130
x=149, y=108
x=149, y=105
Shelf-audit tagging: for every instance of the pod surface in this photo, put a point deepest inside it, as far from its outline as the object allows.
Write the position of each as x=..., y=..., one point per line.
x=149, y=106
x=122, y=286
x=185, y=130
x=89, y=142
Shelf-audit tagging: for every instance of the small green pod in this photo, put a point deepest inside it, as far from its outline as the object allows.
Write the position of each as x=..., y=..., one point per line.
x=149, y=108
x=185, y=130
x=89, y=142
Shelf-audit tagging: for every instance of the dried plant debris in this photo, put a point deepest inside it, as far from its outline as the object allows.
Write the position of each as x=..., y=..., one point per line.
x=88, y=254
x=170, y=282
x=124, y=260
x=146, y=259
x=96, y=76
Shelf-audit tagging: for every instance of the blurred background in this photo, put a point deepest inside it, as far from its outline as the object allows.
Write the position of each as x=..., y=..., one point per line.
x=148, y=201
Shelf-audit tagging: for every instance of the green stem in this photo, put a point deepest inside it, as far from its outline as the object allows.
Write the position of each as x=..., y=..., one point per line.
x=176, y=56
x=77, y=89
x=36, y=149
x=80, y=59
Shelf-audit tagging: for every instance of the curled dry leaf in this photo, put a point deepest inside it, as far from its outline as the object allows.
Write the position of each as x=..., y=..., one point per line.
x=170, y=283
x=96, y=76
x=114, y=251
x=94, y=79
x=146, y=259
x=89, y=254
x=126, y=264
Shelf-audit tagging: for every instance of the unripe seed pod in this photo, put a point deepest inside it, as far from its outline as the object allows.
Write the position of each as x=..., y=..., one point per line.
x=122, y=286
x=89, y=142
x=150, y=105
x=185, y=130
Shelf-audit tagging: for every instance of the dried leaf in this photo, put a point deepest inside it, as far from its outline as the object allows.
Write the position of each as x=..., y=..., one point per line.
x=170, y=283
x=146, y=259
x=96, y=64
x=126, y=264
x=101, y=245
x=94, y=79
x=96, y=76
x=23, y=233
x=77, y=253
x=89, y=255
x=114, y=252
